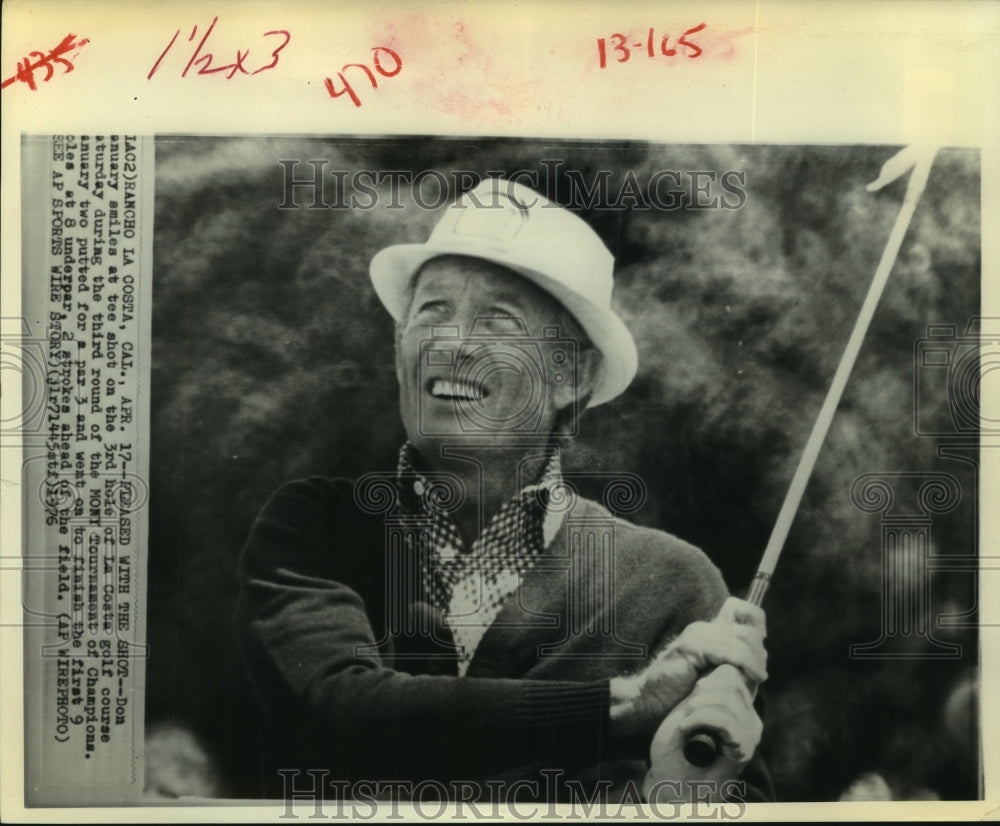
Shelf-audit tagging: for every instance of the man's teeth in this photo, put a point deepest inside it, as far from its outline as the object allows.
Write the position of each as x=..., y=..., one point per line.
x=456, y=390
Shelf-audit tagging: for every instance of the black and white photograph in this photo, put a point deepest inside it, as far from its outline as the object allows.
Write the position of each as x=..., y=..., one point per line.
x=523, y=497
x=489, y=473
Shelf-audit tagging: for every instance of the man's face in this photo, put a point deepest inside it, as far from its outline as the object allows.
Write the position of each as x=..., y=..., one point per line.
x=480, y=353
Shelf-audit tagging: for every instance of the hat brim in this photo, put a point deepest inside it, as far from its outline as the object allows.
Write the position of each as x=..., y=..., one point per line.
x=393, y=267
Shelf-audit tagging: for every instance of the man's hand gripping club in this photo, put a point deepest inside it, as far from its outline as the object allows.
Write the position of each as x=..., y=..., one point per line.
x=702, y=682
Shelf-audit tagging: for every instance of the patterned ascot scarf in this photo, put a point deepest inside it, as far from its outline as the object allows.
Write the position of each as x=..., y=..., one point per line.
x=470, y=584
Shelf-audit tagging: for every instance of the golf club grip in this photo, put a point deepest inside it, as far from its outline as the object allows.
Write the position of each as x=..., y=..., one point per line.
x=702, y=747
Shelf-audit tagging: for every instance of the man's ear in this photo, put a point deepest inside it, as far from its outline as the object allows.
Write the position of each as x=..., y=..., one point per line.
x=588, y=371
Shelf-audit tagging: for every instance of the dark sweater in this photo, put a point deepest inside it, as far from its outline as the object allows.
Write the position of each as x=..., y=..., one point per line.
x=357, y=675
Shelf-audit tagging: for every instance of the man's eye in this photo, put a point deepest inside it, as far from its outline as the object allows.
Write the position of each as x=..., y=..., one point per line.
x=433, y=309
x=504, y=323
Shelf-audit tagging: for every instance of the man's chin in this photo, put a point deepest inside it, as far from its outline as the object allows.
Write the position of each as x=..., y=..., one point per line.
x=490, y=444
x=438, y=427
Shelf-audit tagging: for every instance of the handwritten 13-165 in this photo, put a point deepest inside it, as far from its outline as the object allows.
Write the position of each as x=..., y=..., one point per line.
x=622, y=50
x=206, y=62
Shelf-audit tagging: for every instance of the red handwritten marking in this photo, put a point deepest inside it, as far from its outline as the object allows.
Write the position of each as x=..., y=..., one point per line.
x=348, y=89
x=623, y=46
x=162, y=55
x=26, y=69
x=204, y=61
x=194, y=57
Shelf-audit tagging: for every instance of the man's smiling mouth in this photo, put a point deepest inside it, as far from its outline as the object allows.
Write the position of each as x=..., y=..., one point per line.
x=457, y=390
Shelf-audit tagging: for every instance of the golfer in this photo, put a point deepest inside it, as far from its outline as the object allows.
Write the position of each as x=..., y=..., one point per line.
x=468, y=618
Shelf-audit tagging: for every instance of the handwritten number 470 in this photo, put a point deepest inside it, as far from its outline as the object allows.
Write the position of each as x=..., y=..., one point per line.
x=347, y=89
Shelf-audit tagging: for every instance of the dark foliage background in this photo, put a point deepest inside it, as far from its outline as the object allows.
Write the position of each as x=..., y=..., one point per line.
x=272, y=359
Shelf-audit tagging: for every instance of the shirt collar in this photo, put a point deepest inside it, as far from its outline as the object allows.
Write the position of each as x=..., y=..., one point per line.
x=413, y=484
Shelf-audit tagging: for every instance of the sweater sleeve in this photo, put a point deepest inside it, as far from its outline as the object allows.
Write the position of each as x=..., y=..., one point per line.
x=309, y=646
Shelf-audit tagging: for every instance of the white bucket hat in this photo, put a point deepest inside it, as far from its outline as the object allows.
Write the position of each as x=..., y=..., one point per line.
x=509, y=224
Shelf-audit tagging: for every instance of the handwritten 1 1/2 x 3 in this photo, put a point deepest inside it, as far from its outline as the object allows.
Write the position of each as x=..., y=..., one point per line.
x=204, y=59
